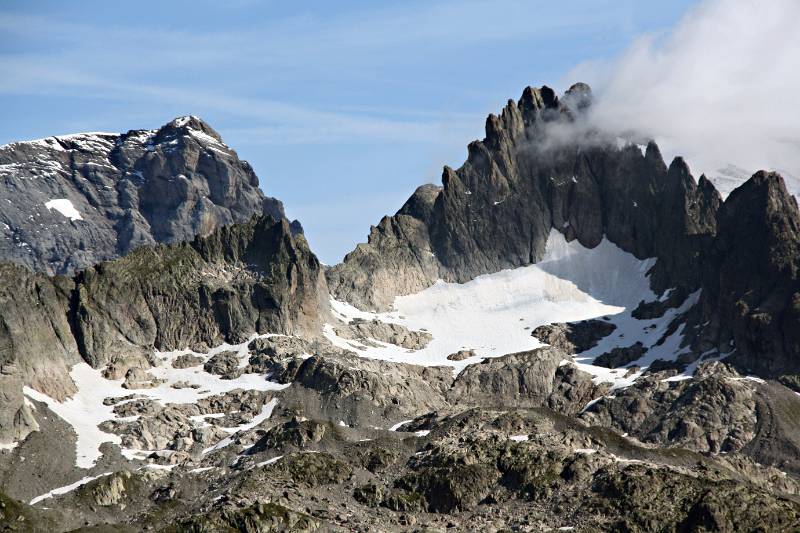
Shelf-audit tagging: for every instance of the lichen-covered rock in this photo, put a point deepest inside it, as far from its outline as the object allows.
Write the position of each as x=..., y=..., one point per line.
x=187, y=361
x=109, y=490
x=136, y=378
x=461, y=355
x=296, y=433
x=222, y=364
x=641, y=498
x=314, y=469
x=451, y=488
x=239, y=280
x=714, y=412
x=574, y=337
x=369, y=494
x=541, y=377
x=342, y=386
x=257, y=518
x=119, y=367
x=278, y=346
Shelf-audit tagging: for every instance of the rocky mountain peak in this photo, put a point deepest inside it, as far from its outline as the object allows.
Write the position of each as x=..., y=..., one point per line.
x=578, y=97
x=75, y=200
x=190, y=126
x=530, y=175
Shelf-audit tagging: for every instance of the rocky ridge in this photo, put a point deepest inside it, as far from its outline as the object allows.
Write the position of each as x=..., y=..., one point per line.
x=455, y=468
x=528, y=177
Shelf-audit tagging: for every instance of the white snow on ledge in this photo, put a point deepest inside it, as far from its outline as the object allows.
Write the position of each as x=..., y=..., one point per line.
x=65, y=489
x=65, y=207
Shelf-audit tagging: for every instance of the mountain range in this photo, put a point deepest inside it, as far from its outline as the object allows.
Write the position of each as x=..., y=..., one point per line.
x=568, y=334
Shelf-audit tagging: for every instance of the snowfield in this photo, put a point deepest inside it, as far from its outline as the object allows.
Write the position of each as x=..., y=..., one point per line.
x=86, y=410
x=495, y=313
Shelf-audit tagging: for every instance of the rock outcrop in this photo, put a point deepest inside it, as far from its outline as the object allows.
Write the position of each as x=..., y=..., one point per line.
x=368, y=331
x=255, y=277
x=574, y=337
x=72, y=201
x=751, y=291
x=542, y=377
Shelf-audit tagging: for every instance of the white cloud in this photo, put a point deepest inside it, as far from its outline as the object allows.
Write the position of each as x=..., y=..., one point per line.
x=720, y=89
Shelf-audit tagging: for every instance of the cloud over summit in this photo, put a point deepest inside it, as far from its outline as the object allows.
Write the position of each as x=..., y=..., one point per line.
x=720, y=89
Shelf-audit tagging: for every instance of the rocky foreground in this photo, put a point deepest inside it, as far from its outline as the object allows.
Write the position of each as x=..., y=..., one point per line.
x=661, y=456
x=647, y=382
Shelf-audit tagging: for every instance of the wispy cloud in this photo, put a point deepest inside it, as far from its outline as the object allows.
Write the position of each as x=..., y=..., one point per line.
x=234, y=69
x=720, y=88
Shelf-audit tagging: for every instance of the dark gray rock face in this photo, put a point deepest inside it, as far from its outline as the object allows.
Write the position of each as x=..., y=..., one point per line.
x=128, y=190
x=525, y=178
x=751, y=298
x=574, y=337
x=620, y=356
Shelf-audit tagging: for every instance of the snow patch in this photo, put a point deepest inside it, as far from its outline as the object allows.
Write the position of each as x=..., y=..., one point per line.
x=585, y=451
x=270, y=461
x=65, y=207
x=399, y=424
x=495, y=313
x=67, y=488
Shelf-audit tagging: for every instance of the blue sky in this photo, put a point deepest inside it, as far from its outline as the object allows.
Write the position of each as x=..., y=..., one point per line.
x=342, y=108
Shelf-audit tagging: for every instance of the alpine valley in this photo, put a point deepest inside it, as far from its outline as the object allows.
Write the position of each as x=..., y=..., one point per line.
x=568, y=334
